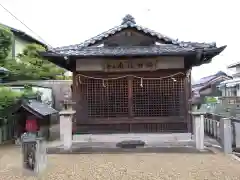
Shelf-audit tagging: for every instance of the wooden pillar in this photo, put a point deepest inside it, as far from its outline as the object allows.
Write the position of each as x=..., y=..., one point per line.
x=130, y=96
x=130, y=100
x=74, y=89
x=73, y=84
x=76, y=96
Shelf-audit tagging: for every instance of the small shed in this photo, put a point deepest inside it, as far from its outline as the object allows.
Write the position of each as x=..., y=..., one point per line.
x=40, y=111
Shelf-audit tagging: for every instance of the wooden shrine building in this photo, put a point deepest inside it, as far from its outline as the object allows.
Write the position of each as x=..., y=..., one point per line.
x=132, y=79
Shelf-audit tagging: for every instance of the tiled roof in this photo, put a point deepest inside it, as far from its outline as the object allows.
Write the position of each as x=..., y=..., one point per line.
x=233, y=65
x=197, y=53
x=129, y=22
x=24, y=35
x=40, y=108
x=3, y=70
x=132, y=50
x=207, y=79
x=197, y=88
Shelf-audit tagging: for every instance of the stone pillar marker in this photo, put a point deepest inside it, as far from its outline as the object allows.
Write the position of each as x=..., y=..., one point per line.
x=66, y=117
x=34, y=153
x=198, y=129
x=237, y=133
x=226, y=134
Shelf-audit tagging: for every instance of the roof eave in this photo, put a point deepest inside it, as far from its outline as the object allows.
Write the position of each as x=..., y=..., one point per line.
x=29, y=109
x=60, y=59
x=57, y=59
x=233, y=65
x=208, y=54
x=27, y=37
x=58, y=55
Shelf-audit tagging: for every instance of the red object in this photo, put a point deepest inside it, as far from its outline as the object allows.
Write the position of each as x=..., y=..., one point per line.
x=31, y=125
x=74, y=129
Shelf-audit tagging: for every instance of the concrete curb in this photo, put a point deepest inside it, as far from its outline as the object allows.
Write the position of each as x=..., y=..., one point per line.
x=101, y=150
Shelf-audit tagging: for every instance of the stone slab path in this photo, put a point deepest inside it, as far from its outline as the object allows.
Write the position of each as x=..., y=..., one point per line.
x=147, y=166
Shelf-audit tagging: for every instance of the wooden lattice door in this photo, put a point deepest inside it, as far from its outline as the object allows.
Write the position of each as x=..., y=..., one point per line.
x=105, y=99
x=158, y=97
x=133, y=104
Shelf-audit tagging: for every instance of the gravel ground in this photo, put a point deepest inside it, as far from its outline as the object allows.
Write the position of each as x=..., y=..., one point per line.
x=125, y=166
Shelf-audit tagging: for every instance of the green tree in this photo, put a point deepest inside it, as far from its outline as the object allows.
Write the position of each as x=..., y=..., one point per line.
x=9, y=98
x=31, y=66
x=5, y=43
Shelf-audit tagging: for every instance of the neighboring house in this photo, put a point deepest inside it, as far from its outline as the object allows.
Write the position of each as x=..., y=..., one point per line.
x=20, y=40
x=208, y=86
x=235, y=68
x=231, y=88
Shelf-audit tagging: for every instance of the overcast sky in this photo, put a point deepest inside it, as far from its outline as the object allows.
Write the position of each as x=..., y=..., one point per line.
x=66, y=22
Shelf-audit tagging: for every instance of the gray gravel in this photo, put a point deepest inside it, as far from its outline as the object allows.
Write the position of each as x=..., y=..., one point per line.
x=125, y=166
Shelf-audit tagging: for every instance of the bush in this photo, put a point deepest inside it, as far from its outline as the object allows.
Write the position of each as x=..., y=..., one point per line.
x=9, y=98
x=5, y=43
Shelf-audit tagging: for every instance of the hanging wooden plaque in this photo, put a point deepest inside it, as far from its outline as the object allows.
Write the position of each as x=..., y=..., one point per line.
x=129, y=65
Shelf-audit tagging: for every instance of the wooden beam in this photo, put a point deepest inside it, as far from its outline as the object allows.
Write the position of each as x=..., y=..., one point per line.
x=140, y=120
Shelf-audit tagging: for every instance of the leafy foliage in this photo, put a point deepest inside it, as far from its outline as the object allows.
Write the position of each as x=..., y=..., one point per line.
x=5, y=42
x=9, y=98
x=31, y=66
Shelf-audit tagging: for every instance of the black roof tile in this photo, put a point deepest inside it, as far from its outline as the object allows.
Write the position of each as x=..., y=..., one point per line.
x=39, y=107
x=131, y=50
x=129, y=22
x=3, y=70
x=204, y=52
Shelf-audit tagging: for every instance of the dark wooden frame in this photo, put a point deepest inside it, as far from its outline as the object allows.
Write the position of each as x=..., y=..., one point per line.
x=84, y=126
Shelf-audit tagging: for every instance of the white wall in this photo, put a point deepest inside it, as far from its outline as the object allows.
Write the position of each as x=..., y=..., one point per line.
x=46, y=93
